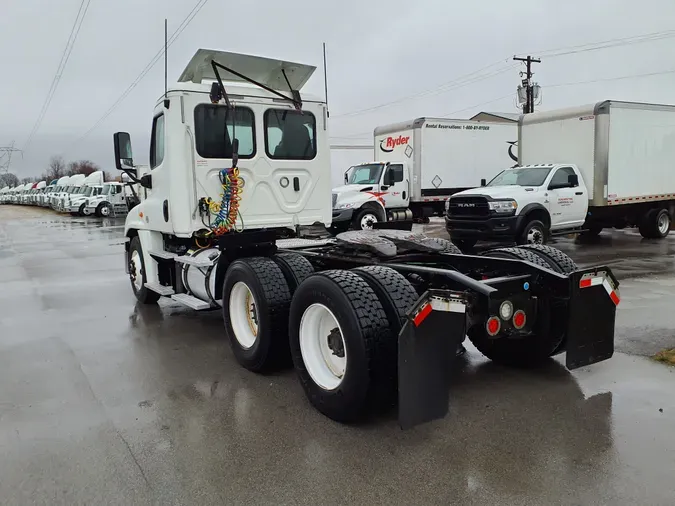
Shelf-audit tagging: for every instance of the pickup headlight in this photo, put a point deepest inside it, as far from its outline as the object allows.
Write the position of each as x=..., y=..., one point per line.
x=503, y=206
x=343, y=206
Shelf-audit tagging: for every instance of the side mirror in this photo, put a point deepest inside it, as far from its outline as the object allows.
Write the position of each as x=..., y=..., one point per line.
x=346, y=178
x=483, y=182
x=573, y=180
x=124, y=158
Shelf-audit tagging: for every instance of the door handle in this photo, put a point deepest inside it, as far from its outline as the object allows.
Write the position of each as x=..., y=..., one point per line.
x=578, y=193
x=296, y=184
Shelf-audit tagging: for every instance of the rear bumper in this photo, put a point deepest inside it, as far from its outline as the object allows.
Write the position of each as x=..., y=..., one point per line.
x=497, y=227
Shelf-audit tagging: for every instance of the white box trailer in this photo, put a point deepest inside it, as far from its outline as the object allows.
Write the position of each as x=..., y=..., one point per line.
x=419, y=164
x=625, y=152
x=447, y=155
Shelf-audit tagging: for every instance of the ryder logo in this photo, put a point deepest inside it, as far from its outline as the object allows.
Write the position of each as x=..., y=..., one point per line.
x=387, y=145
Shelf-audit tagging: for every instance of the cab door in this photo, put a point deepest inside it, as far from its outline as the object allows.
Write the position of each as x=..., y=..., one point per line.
x=394, y=189
x=567, y=202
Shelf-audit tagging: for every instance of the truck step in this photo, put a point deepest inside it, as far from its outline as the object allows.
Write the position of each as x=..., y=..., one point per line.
x=166, y=255
x=190, y=301
x=188, y=260
x=160, y=289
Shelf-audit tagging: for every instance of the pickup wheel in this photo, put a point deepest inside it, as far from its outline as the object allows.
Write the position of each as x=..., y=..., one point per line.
x=464, y=245
x=256, y=299
x=656, y=224
x=534, y=232
x=341, y=344
x=137, y=274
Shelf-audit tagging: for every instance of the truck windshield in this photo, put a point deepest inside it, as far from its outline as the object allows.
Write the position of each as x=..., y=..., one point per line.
x=365, y=174
x=529, y=176
x=107, y=189
x=88, y=190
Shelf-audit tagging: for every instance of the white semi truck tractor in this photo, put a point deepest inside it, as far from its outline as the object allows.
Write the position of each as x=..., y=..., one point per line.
x=91, y=186
x=420, y=163
x=239, y=163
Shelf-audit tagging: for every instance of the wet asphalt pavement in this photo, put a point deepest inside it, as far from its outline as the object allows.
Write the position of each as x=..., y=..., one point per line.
x=104, y=402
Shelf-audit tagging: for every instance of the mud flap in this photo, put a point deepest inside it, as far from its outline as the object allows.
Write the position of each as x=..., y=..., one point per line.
x=594, y=296
x=427, y=348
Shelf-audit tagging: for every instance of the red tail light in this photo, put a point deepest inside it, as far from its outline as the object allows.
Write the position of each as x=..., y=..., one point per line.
x=519, y=319
x=493, y=326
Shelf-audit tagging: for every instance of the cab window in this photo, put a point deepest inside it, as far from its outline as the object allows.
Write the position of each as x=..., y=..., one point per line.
x=396, y=171
x=157, y=142
x=290, y=134
x=214, y=139
x=560, y=179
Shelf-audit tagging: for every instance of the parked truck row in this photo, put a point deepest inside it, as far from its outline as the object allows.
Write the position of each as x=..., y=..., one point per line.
x=240, y=163
x=78, y=195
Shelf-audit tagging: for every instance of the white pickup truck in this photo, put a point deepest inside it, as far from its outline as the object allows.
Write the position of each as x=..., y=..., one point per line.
x=608, y=165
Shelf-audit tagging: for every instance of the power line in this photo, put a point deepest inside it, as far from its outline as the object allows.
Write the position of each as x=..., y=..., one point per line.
x=605, y=44
x=74, y=32
x=453, y=84
x=618, y=78
x=191, y=15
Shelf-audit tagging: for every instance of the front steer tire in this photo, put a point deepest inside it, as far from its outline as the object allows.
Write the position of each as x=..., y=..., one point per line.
x=270, y=297
x=143, y=294
x=369, y=344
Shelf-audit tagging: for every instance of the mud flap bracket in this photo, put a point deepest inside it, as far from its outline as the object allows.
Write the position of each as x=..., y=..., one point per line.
x=427, y=349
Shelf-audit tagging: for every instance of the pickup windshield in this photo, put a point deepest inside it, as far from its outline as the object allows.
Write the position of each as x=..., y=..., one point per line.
x=529, y=176
x=365, y=174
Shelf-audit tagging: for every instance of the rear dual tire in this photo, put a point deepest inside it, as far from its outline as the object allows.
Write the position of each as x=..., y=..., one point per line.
x=655, y=224
x=547, y=337
x=344, y=329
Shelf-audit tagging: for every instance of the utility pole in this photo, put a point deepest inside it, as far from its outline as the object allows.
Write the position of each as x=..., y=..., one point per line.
x=528, y=103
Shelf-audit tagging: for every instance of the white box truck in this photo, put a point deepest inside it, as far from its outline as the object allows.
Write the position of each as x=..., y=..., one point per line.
x=604, y=165
x=419, y=164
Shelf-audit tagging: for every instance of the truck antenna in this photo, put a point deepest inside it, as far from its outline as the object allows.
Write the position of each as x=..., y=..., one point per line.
x=166, y=63
x=325, y=79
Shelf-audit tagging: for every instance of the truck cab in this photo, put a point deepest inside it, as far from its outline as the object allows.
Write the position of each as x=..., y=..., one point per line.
x=74, y=185
x=76, y=202
x=371, y=192
x=524, y=204
x=61, y=188
x=108, y=201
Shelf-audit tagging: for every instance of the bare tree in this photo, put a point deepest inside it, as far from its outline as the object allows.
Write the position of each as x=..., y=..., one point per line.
x=8, y=179
x=27, y=180
x=57, y=168
x=85, y=167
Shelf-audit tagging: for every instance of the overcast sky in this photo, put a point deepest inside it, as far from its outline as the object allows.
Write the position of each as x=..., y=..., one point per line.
x=378, y=52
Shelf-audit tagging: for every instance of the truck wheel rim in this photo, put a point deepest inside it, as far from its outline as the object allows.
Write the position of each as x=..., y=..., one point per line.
x=135, y=270
x=664, y=223
x=105, y=211
x=535, y=236
x=243, y=315
x=322, y=347
x=367, y=221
